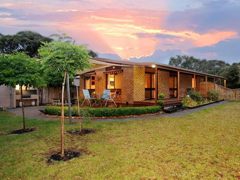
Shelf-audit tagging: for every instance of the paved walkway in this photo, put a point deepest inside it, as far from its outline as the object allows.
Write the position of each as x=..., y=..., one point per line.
x=34, y=113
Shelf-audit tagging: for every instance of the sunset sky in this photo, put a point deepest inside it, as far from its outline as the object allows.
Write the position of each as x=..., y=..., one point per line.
x=142, y=30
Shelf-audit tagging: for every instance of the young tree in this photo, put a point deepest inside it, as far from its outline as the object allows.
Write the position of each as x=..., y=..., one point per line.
x=64, y=58
x=20, y=69
x=63, y=37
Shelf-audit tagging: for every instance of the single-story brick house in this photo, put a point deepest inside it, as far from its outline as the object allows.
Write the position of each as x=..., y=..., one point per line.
x=132, y=82
x=140, y=83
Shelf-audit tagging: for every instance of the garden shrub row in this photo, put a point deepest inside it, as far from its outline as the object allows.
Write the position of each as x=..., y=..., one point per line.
x=104, y=112
x=194, y=98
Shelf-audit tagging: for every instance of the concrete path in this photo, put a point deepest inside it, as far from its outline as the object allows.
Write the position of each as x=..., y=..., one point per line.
x=34, y=113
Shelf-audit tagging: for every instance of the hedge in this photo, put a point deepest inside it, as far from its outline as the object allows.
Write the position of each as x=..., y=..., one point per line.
x=104, y=112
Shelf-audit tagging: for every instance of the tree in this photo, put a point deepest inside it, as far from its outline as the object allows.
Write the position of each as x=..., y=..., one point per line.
x=92, y=54
x=176, y=61
x=202, y=65
x=233, y=76
x=64, y=58
x=65, y=38
x=20, y=69
x=24, y=41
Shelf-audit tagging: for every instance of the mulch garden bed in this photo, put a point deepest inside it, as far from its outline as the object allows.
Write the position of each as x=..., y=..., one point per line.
x=68, y=154
x=82, y=132
x=22, y=131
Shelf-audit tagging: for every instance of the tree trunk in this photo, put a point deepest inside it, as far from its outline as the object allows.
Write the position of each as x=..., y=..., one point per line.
x=23, y=113
x=62, y=116
x=69, y=99
x=78, y=108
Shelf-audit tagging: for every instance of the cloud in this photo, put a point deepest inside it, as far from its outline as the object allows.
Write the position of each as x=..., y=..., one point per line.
x=131, y=28
x=213, y=14
x=109, y=56
x=159, y=56
x=228, y=50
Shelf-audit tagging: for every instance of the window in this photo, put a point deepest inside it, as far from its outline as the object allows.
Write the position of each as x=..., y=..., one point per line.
x=110, y=81
x=89, y=82
x=173, y=86
x=149, y=85
x=149, y=80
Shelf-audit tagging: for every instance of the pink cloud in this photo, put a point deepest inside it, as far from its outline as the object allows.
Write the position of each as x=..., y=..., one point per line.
x=108, y=29
x=214, y=37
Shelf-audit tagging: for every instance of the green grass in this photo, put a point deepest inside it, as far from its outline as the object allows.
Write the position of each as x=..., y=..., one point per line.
x=203, y=145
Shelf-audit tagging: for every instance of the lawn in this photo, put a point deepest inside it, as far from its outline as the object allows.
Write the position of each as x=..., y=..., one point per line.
x=203, y=145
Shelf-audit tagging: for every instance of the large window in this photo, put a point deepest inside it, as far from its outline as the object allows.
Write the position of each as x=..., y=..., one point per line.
x=110, y=81
x=149, y=85
x=173, y=84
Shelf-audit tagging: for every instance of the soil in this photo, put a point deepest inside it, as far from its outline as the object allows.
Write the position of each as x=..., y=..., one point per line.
x=22, y=131
x=68, y=154
x=82, y=132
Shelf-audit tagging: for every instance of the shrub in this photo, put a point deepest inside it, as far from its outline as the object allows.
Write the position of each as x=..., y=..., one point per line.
x=196, y=96
x=213, y=95
x=104, y=112
x=161, y=96
x=160, y=100
x=188, y=102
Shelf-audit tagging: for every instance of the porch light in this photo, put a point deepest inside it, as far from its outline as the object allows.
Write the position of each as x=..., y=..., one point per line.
x=153, y=65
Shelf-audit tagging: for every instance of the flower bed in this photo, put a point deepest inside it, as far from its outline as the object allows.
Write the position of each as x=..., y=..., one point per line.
x=204, y=104
x=195, y=100
x=104, y=112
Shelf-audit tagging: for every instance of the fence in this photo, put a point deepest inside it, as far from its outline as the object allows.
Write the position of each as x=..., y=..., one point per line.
x=224, y=93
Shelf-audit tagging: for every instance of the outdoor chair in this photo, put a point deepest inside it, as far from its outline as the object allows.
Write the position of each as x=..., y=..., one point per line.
x=87, y=97
x=106, y=97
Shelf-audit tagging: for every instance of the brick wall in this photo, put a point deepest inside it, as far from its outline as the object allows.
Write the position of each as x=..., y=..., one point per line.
x=127, y=85
x=185, y=83
x=139, y=82
x=199, y=79
x=81, y=87
x=163, y=83
x=100, y=81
